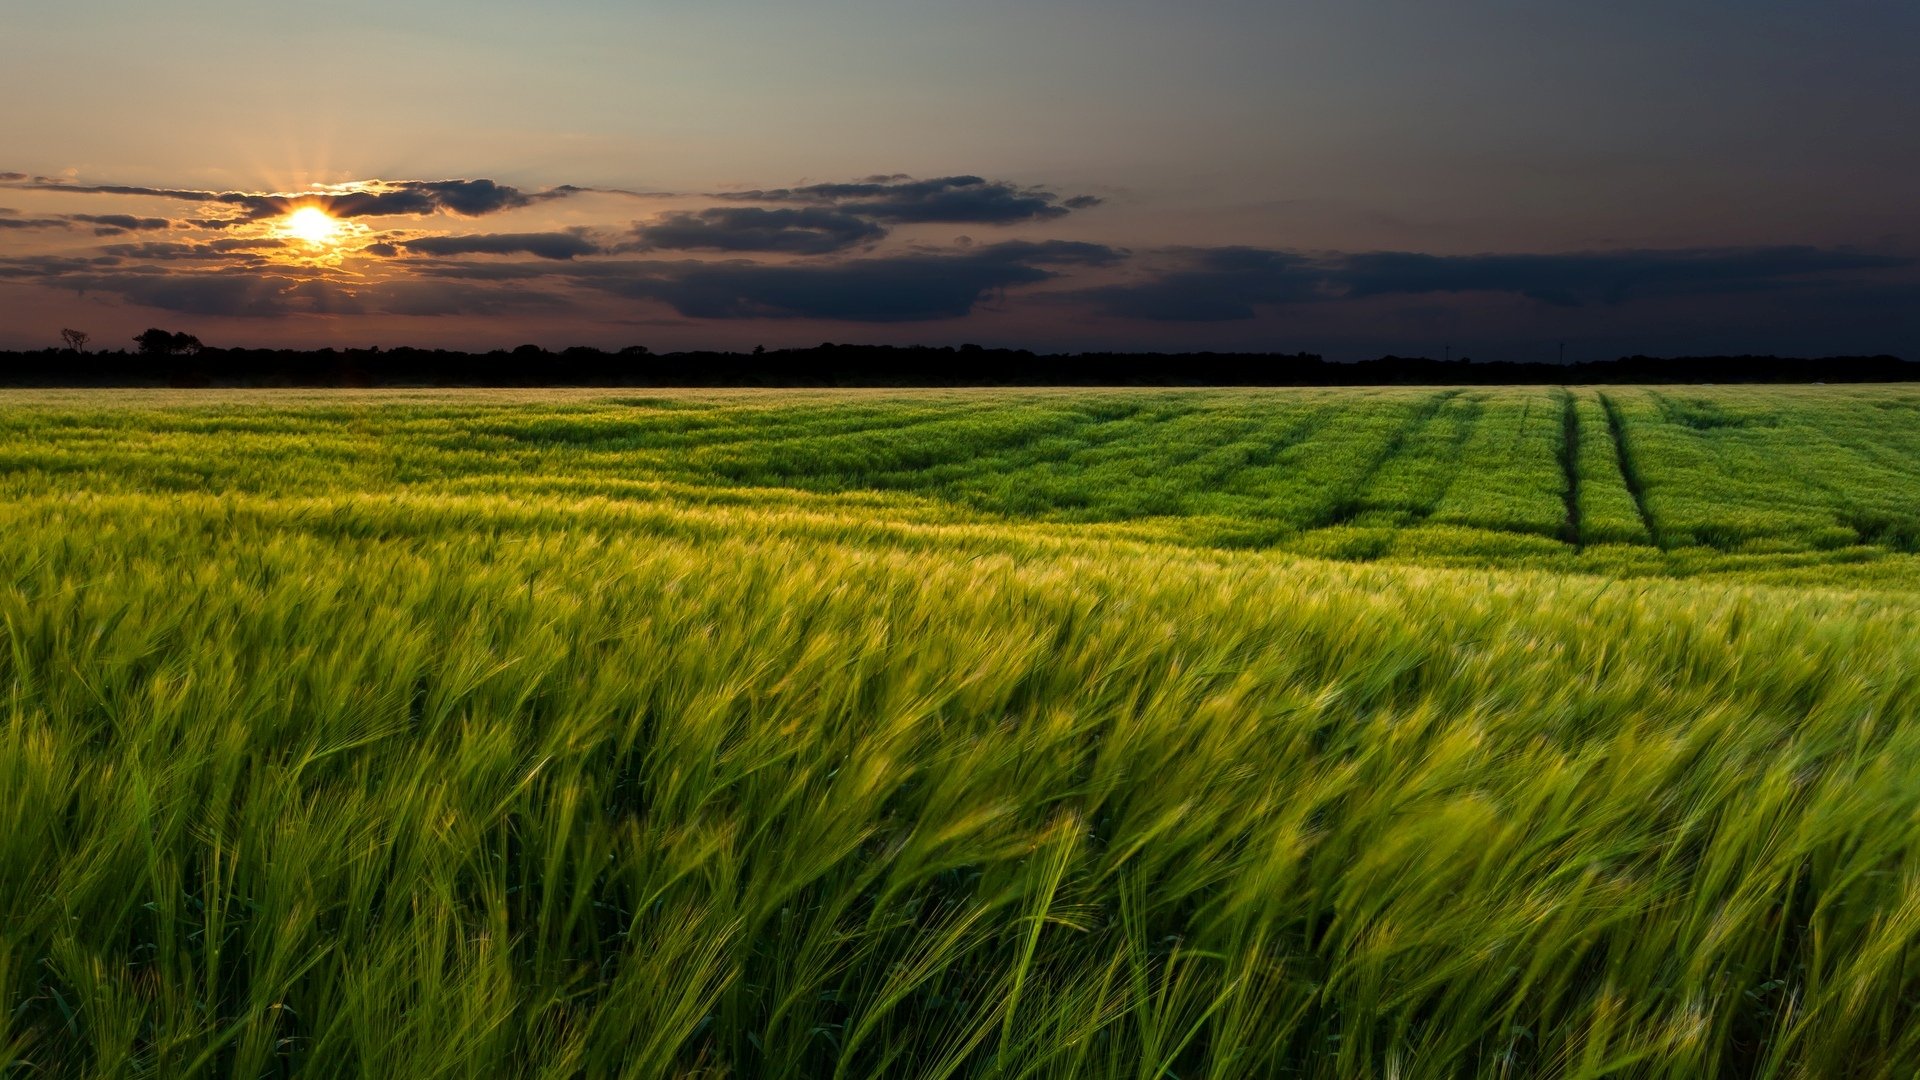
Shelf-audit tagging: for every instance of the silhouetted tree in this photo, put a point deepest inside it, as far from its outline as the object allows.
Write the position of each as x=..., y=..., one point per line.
x=154, y=341
x=76, y=339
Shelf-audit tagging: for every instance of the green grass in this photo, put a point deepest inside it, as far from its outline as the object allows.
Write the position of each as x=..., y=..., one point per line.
x=1373, y=733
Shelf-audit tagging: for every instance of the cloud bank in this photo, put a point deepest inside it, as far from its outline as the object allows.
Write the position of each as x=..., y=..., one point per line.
x=958, y=200
x=842, y=253
x=810, y=231
x=1234, y=283
x=548, y=245
x=371, y=198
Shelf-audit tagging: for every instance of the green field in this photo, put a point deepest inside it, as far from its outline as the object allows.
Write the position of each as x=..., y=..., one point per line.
x=1323, y=733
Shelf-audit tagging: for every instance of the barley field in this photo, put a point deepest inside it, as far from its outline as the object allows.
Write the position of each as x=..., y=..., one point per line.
x=1397, y=733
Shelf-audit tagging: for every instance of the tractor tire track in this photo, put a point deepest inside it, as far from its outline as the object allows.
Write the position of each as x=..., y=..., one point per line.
x=1629, y=470
x=1570, y=467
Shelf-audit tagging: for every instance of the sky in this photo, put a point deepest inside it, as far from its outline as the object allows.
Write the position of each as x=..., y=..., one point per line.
x=1489, y=179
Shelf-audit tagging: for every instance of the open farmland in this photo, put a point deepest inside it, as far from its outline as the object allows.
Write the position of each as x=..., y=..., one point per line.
x=1327, y=733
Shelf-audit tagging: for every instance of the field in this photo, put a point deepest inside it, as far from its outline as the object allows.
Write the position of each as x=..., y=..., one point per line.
x=1323, y=733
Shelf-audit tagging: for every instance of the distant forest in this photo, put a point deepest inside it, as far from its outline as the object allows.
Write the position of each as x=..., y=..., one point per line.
x=175, y=359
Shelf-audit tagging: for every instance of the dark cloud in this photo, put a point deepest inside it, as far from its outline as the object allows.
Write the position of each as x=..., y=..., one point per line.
x=466, y=198
x=901, y=200
x=257, y=293
x=47, y=267
x=1053, y=253
x=115, y=224
x=805, y=231
x=250, y=243
x=1215, y=286
x=902, y=288
x=241, y=249
x=526, y=271
x=1232, y=283
x=445, y=298
x=222, y=292
x=160, y=251
x=31, y=223
x=12, y=177
x=1609, y=277
x=554, y=245
x=373, y=198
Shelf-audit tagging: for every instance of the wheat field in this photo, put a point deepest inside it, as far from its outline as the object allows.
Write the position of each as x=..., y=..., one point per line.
x=1527, y=732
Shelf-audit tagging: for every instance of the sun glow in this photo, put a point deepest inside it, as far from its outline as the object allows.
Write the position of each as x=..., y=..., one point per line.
x=312, y=224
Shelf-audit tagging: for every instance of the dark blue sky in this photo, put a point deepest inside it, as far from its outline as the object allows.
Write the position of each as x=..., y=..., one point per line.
x=1711, y=175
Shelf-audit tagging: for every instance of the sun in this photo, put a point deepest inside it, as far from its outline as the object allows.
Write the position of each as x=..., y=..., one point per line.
x=312, y=224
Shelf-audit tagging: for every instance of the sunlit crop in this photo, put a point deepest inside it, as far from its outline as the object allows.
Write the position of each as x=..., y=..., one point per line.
x=1302, y=733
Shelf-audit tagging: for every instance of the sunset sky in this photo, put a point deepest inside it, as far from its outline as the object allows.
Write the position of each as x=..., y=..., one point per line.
x=1350, y=178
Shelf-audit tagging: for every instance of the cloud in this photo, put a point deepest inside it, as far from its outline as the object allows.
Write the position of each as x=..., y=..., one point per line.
x=551, y=245
x=903, y=289
x=1223, y=284
x=901, y=200
x=370, y=198
x=900, y=288
x=218, y=292
x=445, y=298
x=1217, y=285
x=806, y=231
x=248, y=243
x=12, y=177
x=158, y=251
x=465, y=198
x=231, y=276
x=212, y=251
x=49, y=267
x=115, y=224
x=811, y=252
x=1608, y=277
x=256, y=293
x=1054, y=253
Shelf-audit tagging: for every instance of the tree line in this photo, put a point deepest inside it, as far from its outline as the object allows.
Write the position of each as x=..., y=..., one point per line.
x=170, y=358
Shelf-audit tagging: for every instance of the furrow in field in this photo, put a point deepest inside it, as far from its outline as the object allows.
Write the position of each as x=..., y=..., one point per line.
x=1737, y=472
x=764, y=425
x=1723, y=477
x=630, y=429
x=1570, y=466
x=1607, y=512
x=1446, y=459
x=841, y=462
x=1510, y=478
x=1045, y=475
x=1297, y=429
x=1351, y=501
x=1629, y=469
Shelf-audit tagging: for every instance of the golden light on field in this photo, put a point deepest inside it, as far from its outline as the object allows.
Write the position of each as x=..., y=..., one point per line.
x=311, y=224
